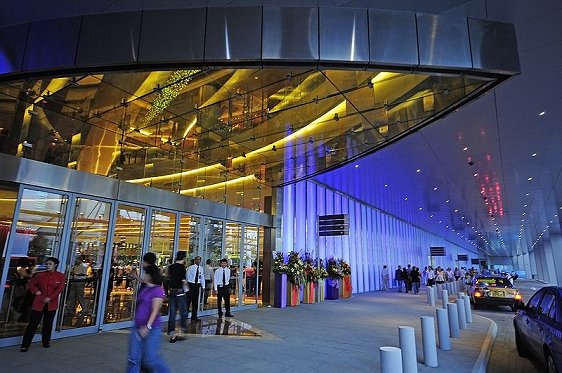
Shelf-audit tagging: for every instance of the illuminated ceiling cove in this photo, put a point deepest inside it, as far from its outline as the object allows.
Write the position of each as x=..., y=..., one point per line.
x=217, y=134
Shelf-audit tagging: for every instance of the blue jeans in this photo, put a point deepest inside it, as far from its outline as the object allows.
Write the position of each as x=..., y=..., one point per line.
x=176, y=302
x=146, y=351
x=399, y=283
x=416, y=286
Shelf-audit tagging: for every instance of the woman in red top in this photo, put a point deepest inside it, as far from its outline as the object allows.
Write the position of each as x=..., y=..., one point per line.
x=46, y=286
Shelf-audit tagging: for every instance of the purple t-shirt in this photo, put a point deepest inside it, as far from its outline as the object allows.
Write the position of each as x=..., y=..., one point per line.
x=144, y=305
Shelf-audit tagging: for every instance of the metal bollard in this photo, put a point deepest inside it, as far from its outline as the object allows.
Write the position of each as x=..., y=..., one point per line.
x=462, y=313
x=445, y=297
x=407, y=340
x=391, y=359
x=428, y=291
x=439, y=290
x=456, y=286
x=443, y=329
x=428, y=338
x=431, y=292
x=453, y=320
x=467, y=309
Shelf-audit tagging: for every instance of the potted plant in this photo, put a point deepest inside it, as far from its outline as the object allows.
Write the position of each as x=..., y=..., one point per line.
x=333, y=280
x=280, y=270
x=346, y=287
x=322, y=274
x=310, y=279
x=295, y=275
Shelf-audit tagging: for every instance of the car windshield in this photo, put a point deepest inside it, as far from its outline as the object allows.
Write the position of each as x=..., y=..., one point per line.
x=493, y=281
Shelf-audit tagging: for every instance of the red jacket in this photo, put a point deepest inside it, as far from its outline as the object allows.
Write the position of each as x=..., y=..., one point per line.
x=50, y=284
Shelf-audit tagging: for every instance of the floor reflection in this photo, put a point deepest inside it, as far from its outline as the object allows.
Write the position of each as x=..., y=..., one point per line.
x=209, y=326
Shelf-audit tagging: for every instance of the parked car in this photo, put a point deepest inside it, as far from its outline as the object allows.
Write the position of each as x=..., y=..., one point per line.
x=538, y=328
x=496, y=290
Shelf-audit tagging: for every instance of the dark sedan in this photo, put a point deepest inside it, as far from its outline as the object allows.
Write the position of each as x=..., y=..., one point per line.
x=538, y=327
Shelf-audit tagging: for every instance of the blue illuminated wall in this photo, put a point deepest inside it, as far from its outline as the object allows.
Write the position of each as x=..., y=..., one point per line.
x=375, y=237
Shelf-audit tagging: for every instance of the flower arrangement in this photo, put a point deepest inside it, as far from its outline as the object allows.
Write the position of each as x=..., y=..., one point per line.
x=345, y=268
x=279, y=265
x=321, y=270
x=295, y=268
x=310, y=272
x=333, y=268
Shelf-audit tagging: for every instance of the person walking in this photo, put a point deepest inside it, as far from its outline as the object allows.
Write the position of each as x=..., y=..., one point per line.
x=385, y=278
x=46, y=286
x=78, y=278
x=221, y=286
x=416, y=278
x=177, y=300
x=144, y=341
x=398, y=278
x=196, y=281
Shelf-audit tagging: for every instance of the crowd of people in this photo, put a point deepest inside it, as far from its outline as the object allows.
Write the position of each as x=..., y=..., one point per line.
x=410, y=278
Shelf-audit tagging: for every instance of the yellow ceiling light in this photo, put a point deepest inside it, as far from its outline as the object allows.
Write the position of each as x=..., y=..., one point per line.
x=191, y=125
x=223, y=184
x=177, y=175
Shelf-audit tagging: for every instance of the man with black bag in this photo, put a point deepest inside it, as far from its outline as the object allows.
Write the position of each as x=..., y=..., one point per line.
x=177, y=298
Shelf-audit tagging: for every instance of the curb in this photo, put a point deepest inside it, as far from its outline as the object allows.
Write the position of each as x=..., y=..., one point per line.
x=481, y=364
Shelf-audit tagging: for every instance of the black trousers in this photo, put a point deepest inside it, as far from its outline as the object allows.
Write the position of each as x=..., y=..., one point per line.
x=35, y=319
x=223, y=293
x=194, y=291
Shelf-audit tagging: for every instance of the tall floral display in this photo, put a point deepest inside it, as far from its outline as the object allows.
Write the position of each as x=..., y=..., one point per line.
x=345, y=288
x=280, y=269
x=310, y=279
x=333, y=280
x=296, y=277
x=321, y=284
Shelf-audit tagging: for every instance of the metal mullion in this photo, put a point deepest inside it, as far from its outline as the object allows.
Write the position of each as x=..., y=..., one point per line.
x=240, y=273
x=13, y=232
x=107, y=263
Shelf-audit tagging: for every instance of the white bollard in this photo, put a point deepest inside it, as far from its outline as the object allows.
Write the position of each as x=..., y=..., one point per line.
x=460, y=294
x=428, y=338
x=453, y=320
x=456, y=286
x=391, y=359
x=444, y=298
x=431, y=292
x=428, y=290
x=407, y=339
x=443, y=329
x=467, y=309
x=462, y=313
x=439, y=290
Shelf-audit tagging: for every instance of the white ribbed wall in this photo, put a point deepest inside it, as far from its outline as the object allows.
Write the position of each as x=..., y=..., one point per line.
x=375, y=238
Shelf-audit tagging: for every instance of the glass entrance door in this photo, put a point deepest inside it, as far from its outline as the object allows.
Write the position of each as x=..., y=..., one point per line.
x=232, y=244
x=162, y=240
x=250, y=267
x=84, y=270
x=37, y=235
x=126, y=260
x=211, y=255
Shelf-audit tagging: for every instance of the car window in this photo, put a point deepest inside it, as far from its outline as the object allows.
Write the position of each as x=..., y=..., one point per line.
x=493, y=282
x=535, y=301
x=546, y=303
x=552, y=313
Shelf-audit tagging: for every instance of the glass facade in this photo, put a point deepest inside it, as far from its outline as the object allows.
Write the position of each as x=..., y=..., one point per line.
x=225, y=135
x=100, y=244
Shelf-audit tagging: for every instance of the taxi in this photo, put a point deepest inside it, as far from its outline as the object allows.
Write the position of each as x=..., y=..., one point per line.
x=493, y=290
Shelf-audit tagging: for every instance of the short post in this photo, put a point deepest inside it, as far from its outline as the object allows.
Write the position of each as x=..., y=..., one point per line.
x=462, y=313
x=439, y=289
x=445, y=297
x=428, y=338
x=431, y=293
x=428, y=289
x=456, y=286
x=407, y=339
x=443, y=329
x=453, y=320
x=460, y=294
x=467, y=309
x=391, y=359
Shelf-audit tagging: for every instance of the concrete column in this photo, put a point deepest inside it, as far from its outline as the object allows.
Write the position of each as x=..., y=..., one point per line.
x=444, y=298
x=428, y=338
x=391, y=359
x=407, y=339
x=443, y=329
x=453, y=314
x=555, y=252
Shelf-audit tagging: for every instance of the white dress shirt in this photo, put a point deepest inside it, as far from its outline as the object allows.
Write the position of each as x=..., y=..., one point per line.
x=218, y=276
x=192, y=271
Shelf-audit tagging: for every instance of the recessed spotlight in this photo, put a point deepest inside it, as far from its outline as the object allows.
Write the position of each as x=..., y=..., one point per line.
x=385, y=185
x=534, y=155
x=475, y=175
x=465, y=148
x=447, y=201
x=528, y=196
x=524, y=205
x=418, y=170
x=435, y=188
x=405, y=199
x=420, y=208
x=356, y=166
x=542, y=113
x=457, y=210
x=529, y=179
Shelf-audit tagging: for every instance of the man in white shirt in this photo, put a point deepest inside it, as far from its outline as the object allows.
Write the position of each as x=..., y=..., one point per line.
x=222, y=287
x=195, y=280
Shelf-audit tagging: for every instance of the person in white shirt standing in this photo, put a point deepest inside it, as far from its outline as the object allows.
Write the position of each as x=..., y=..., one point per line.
x=385, y=278
x=222, y=287
x=195, y=280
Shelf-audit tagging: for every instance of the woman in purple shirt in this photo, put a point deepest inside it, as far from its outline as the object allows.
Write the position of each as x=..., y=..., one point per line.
x=144, y=342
